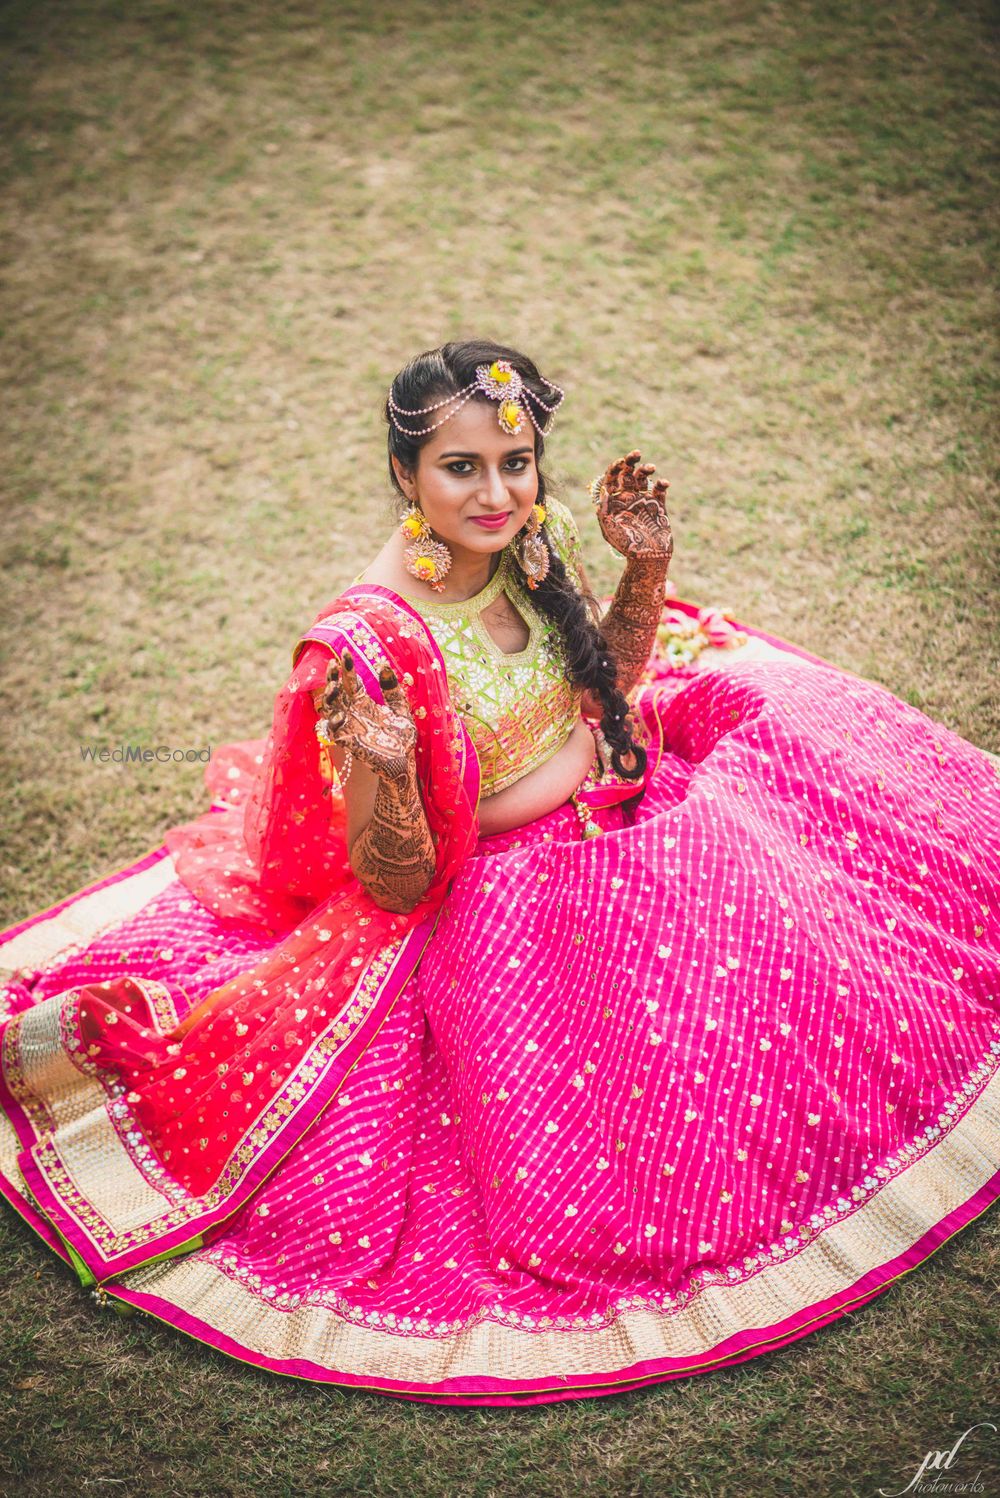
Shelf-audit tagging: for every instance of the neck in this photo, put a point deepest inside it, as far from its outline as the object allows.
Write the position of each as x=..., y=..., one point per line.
x=469, y=573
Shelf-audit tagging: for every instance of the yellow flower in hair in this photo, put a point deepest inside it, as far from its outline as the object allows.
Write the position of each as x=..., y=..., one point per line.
x=502, y=376
x=539, y=513
x=413, y=526
x=510, y=416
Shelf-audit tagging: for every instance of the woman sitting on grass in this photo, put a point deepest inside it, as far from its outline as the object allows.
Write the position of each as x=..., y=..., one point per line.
x=589, y=1015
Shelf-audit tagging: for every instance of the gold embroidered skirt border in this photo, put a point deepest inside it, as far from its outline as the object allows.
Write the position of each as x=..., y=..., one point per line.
x=822, y=1277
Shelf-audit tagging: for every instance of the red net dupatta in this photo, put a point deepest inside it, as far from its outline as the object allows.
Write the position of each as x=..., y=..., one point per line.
x=142, y=1130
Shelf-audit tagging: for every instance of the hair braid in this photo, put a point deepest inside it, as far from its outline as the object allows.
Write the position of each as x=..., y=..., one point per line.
x=590, y=661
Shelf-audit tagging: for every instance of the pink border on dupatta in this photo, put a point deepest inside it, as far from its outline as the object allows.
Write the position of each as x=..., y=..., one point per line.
x=322, y=1092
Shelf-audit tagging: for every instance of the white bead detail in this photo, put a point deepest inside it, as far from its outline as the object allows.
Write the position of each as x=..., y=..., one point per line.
x=485, y=384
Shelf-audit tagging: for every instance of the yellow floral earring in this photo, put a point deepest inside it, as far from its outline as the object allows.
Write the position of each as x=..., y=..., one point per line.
x=533, y=554
x=424, y=558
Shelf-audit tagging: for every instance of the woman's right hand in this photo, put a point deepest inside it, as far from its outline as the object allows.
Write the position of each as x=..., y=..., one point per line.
x=390, y=843
x=381, y=735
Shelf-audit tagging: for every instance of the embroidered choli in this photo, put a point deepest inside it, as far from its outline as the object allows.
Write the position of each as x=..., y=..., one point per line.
x=519, y=708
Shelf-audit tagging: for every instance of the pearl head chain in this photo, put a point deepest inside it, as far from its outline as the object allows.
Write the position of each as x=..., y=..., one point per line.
x=499, y=381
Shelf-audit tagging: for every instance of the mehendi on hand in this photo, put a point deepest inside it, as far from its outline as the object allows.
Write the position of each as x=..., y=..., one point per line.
x=631, y=622
x=633, y=519
x=393, y=854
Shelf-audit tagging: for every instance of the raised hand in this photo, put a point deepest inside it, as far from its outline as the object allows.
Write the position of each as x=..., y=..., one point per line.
x=381, y=735
x=633, y=517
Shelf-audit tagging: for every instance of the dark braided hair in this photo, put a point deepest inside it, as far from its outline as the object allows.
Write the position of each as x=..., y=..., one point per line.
x=590, y=661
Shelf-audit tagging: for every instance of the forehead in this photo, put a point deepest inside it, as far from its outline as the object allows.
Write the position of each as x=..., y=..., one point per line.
x=476, y=429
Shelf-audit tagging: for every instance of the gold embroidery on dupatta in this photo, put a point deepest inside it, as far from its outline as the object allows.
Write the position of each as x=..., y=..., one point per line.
x=90, y=1160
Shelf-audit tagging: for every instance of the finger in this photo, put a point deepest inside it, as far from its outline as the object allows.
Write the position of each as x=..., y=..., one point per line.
x=392, y=692
x=332, y=691
x=633, y=476
x=613, y=477
x=338, y=725
x=350, y=682
x=621, y=475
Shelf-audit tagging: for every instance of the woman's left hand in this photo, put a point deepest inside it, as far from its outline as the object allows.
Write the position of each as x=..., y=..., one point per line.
x=633, y=517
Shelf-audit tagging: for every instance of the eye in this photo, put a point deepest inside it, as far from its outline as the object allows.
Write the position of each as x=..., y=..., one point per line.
x=464, y=466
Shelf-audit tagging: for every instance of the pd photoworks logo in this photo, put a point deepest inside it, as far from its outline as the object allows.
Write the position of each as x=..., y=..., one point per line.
x=938, y=1461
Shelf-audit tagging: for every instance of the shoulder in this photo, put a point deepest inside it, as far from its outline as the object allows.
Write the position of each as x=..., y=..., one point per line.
x=378, y=628
x=560, y=519
x=386, y=570
x=340, y=626
x=562, y=527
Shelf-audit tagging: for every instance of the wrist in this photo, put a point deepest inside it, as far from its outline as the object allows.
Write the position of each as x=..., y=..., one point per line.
x=647, y=564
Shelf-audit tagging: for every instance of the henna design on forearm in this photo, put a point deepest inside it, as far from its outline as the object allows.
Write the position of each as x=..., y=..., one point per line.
x=393, y=854
x=630, y=624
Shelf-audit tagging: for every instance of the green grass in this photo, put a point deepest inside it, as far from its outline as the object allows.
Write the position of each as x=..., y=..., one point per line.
x=754, y=241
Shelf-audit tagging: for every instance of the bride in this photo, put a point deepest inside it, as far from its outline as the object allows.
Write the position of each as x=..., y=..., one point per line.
x=561, y=999
x=473, y=490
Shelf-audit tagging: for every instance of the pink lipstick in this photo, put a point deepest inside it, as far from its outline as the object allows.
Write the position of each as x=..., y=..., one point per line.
x=491, y=522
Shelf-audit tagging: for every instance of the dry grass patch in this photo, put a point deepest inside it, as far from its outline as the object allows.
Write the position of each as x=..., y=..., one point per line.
x=755, y=242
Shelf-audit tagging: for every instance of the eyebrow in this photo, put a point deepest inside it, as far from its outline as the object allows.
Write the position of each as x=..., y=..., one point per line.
x=515, y=452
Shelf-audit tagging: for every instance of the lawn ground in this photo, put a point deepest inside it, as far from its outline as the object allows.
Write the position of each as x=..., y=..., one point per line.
x=752, y=240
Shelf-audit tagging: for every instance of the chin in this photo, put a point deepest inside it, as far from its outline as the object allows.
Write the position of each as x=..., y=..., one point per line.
x=481, y=540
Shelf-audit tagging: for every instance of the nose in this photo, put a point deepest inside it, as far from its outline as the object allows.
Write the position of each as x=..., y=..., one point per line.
x=495, y=490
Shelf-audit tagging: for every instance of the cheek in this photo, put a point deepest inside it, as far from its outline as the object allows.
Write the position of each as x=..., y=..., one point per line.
x=446, y=490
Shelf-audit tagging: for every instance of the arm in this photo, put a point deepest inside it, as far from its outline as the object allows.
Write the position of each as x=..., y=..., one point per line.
x=630, y=624
x=631, y=620
x=390, y=843
x=633, y=520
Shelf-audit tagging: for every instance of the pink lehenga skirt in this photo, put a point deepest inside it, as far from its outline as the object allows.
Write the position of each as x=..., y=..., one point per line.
x=648, y=1103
